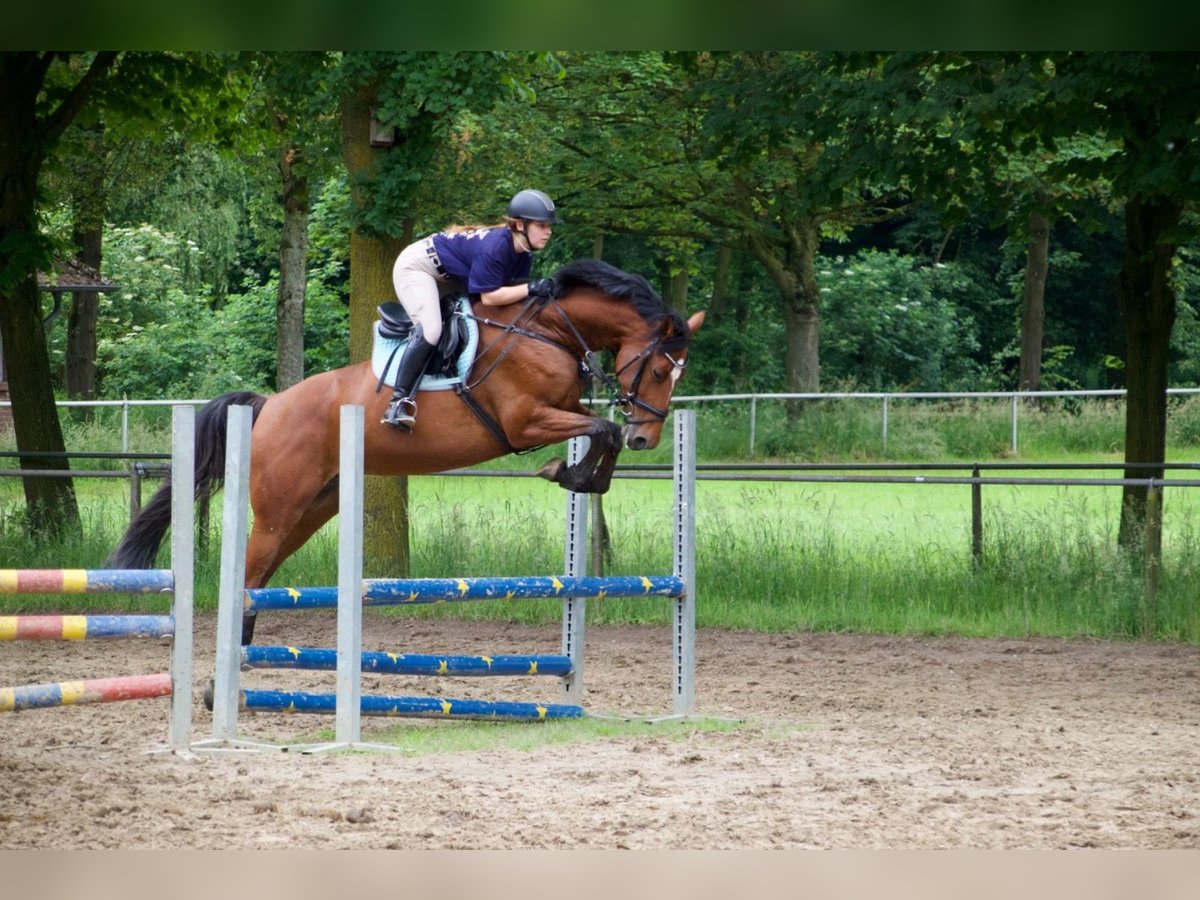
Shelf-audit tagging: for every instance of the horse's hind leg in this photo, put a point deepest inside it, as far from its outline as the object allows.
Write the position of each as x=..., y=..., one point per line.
x=270, y=544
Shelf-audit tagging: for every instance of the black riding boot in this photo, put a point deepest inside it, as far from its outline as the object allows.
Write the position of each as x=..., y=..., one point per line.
x=402, y=412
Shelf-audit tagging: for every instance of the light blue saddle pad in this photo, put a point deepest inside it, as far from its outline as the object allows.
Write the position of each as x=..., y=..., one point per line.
x=384, y=347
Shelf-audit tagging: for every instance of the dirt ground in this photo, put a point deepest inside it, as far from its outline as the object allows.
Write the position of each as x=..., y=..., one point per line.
x=846, y=741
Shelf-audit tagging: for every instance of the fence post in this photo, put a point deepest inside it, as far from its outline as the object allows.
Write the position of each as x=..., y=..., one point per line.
x=575, y=563
x=183, y=557
x=753, y=420
x=124, y=424
x=976, y=517
x=1014, y=424
x=347, y=711
x=684, y=612
x=885, y=422
x=232, y=590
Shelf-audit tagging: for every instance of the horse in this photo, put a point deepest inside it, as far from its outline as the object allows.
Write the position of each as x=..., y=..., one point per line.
x=524, y=390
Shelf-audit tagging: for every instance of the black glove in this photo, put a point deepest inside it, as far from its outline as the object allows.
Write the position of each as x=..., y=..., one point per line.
x=541, y=290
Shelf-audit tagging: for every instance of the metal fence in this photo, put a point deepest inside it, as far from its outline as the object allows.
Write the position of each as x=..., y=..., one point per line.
x=989, y=473
x=886, y=400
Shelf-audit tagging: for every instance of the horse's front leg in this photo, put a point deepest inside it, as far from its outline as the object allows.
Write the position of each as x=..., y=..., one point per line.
x=592, y=474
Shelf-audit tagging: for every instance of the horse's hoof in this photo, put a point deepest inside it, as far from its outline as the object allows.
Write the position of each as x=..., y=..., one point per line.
x=552, y=470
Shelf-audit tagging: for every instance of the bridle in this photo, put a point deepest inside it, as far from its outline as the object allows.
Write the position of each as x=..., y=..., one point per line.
x=627, y=401
x=589, y=366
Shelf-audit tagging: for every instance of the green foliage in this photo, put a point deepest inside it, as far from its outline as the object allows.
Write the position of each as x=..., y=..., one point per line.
x=892, y=324
x=1185, y=338
x=157, y=342
x=1183, y=422
x=423, y=94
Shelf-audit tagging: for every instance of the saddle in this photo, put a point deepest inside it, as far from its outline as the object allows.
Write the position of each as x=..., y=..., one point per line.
x=450, y=363
x=395, y=325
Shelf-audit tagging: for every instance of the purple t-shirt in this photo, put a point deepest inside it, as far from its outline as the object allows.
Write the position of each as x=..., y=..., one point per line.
x=484, y=259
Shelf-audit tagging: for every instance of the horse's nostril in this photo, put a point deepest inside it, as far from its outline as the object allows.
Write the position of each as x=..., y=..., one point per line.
x=637, y=442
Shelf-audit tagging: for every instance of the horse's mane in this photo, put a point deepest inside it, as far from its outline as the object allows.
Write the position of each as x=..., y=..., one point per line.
x=610, y=280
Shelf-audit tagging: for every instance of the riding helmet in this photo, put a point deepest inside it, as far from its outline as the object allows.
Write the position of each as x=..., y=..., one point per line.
x=530, y=204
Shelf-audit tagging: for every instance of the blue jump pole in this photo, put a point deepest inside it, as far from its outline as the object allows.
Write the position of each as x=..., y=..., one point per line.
x=404, y=591
x=256, y=657
x=406, y=707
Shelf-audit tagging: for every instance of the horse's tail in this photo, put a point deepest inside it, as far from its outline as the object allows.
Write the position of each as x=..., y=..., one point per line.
x=139, y=547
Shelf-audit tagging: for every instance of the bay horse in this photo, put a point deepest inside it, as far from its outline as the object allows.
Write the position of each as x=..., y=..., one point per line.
x=524, y=390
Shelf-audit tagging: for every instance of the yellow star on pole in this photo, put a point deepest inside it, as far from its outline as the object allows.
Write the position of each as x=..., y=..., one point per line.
x=463, y=587
x=532, y=667
x=294, y=593
x=443, y=667
x=445, y=707
x=541, y=711
x=295, y=653
x=647, y=584
x=488, y=660
x=556, y=584
x=395, y=657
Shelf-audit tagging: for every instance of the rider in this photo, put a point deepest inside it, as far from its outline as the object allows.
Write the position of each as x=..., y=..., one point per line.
x=487, y=260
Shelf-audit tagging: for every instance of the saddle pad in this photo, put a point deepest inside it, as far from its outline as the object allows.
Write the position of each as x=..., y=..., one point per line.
x=385, y=349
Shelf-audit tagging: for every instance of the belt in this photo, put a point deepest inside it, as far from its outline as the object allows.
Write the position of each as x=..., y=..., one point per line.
x=437, y=263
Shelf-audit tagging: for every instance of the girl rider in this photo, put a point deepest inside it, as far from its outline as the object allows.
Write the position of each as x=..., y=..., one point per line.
x=487, y=260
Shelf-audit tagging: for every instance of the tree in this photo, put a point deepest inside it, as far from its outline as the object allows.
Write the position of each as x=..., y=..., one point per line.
x=86, y=234
x=974, y=109
x=45, y=91
x=35, y=113
x=399, y=111
x=299, y=109
x=796, y=169
x=1144, y=102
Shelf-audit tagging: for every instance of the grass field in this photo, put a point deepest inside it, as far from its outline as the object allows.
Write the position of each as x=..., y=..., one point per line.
x=778, y=556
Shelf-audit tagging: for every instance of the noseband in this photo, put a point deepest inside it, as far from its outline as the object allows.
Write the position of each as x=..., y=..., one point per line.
x=627, y=401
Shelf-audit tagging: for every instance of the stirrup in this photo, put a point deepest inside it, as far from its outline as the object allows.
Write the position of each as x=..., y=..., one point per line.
x=401, y=414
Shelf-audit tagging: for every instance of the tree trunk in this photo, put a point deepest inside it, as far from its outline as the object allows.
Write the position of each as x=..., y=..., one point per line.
x=795, y=275
x=677, y=291
x=88, y=235
x=81, y=323
x=1147, y=302
x=802, y=360
x=385, y=499
x=721, y=280
x=293, y=274
x=50, y=502
x=1033, y=299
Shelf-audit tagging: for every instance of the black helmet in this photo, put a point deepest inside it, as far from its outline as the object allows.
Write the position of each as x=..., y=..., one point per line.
x=532, y=205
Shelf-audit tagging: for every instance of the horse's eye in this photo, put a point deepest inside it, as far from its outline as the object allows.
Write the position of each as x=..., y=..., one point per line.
x=658, y=374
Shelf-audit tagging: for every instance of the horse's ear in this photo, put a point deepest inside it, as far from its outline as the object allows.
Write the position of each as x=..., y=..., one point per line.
x=668, y=324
